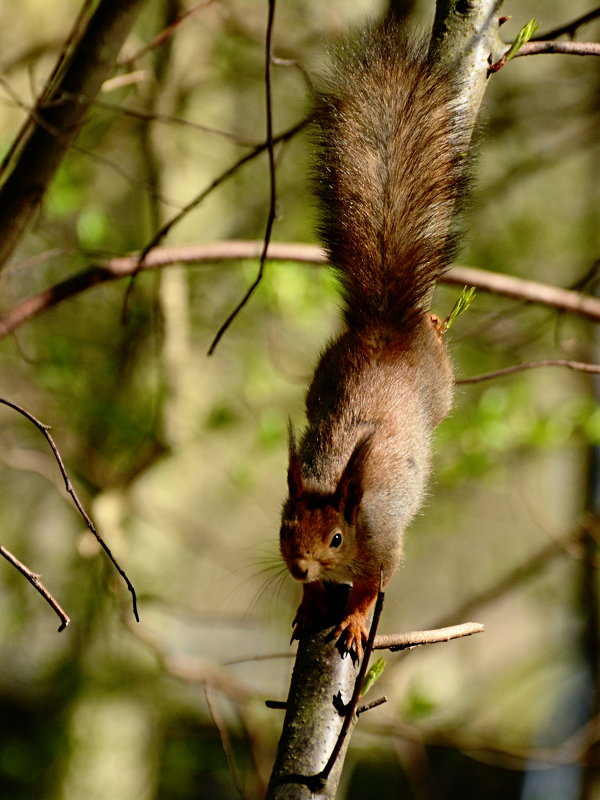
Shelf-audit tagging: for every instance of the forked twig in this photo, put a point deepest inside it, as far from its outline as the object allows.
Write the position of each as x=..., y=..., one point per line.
x=71, y=491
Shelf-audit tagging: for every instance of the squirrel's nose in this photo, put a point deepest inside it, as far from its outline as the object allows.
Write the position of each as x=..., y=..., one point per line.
x=299, y=570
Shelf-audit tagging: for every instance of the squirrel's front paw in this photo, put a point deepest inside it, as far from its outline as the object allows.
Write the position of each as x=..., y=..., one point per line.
x=352, y=633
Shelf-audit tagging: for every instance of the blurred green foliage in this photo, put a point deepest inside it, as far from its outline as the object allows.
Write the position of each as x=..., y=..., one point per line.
x=181, y=458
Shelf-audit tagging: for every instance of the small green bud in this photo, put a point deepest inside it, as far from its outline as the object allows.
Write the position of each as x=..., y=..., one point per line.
x=463, y=302
x=523, y=36
x=373, y=674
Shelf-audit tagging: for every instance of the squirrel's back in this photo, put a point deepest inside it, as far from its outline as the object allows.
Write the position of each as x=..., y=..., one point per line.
x=391, y=166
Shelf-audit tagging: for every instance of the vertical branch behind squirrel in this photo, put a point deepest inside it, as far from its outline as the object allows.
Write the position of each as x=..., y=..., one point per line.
x=390, y=172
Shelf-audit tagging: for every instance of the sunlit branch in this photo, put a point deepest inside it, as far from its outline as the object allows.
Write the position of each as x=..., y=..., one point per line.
x=566, y=48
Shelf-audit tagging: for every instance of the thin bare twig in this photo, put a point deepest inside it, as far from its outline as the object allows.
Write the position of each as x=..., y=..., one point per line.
x=225, y=741
x=578, y=366
x=406, y=641
x=569, y=27
x=71, y=491
x=525, y=290
x=35, y=581
x=272, y=182
x=165, y=34
x=169, y=119
x=373, y=704
x=276, y=704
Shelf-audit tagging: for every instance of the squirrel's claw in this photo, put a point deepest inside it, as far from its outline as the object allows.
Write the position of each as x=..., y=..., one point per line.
x=352, y=634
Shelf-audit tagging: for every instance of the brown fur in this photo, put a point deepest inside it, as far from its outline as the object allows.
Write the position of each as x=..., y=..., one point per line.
x=391, y=168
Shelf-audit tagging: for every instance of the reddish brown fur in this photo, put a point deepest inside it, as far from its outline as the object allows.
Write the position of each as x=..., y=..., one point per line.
x=391, y=169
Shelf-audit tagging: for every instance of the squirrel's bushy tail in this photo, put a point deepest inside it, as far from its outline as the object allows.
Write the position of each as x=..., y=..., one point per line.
x=391, y=167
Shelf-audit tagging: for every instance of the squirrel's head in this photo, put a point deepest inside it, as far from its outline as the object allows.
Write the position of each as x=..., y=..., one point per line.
x=318, y=537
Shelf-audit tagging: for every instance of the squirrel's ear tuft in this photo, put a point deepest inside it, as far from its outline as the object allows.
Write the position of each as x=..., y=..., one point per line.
x=294, y=475
x=350, y=488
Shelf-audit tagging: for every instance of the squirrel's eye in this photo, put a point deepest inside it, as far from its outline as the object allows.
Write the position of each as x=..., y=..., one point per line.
x=336, y=540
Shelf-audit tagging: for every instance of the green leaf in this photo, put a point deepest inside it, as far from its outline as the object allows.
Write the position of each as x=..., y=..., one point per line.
x=523, y=36
x=373, y=674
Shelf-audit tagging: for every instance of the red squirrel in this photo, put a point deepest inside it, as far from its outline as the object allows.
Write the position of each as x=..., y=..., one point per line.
x=390, y=173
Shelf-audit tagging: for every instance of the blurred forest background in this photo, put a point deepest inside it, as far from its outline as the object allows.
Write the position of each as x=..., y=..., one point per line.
x=180, y=458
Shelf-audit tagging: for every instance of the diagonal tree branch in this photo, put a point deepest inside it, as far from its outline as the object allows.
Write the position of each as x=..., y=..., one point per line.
x=59, y=114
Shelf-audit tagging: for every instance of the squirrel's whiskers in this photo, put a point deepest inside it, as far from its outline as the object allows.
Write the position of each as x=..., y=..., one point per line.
x=265, y=570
